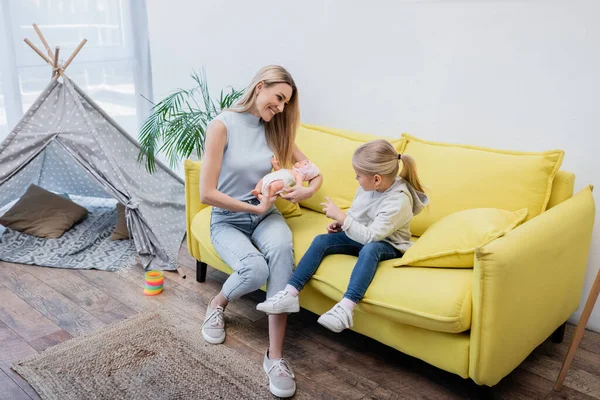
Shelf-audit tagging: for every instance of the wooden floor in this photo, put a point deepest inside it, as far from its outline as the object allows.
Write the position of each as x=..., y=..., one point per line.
x=41, y=307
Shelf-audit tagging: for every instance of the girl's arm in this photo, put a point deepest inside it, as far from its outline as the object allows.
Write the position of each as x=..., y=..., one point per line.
x=212, y=159
x=298, y=193
x=396, y=214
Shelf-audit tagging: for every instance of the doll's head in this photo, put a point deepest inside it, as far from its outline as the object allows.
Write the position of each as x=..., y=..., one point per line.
x=307, y=169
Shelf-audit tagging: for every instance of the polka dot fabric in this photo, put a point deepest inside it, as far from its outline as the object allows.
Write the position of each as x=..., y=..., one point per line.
x=66, y=143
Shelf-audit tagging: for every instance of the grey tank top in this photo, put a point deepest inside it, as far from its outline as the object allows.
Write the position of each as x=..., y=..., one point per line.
x=247, y=156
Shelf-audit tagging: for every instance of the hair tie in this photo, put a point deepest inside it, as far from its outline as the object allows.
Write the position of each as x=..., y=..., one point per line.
x=399, y=156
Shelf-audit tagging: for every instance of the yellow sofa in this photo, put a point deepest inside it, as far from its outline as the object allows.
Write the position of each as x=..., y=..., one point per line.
x=479, y=322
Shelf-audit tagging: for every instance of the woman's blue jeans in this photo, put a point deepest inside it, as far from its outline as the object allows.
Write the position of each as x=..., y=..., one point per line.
x=257, y=247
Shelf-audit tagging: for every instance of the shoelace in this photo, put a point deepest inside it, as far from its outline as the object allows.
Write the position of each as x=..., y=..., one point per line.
x=216, y=317
x=282, y=368
x=340, y=313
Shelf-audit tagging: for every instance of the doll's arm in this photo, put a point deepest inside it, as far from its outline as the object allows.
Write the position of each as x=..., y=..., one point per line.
x=275, y=164
x=297, y=177
x=275, y=187
x=258, y=188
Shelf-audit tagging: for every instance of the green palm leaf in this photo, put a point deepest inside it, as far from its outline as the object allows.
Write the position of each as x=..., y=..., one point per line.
x=177, y=124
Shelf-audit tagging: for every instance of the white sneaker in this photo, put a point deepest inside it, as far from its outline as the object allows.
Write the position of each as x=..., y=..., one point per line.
x=282, y=381
x=213, y=328
x=282, y=302
x=337, y=319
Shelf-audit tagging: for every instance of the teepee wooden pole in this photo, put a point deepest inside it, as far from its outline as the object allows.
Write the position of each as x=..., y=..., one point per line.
x=66, y=64
x=43, y=39
x=38, y=51
x=55, y=70
x=52, y=58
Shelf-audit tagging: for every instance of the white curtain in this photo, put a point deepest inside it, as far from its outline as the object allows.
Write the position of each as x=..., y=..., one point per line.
x=113, y=67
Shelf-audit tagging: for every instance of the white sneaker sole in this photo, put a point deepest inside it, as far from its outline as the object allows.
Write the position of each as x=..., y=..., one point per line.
x=279, y=392
x=332, y=328
x=213, y=340
x=290, y=309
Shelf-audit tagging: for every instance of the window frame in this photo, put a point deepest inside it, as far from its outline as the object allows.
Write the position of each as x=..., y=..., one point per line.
x=136, y=51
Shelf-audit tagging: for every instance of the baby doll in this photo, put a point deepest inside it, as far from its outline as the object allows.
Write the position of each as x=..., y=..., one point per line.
x=274, y=182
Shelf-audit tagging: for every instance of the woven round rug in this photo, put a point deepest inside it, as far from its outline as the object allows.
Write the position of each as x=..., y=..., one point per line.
x=157, y=355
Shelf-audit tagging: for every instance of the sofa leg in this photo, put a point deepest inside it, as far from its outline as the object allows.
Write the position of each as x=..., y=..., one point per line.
x=483, y=392
x=200, y=271
x=559, y=334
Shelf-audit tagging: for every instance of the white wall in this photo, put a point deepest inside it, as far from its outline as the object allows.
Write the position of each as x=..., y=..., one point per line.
x=508, y=74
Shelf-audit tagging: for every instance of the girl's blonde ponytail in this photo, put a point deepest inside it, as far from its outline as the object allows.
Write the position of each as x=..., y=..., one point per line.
x=379, y=157
x=409, y=172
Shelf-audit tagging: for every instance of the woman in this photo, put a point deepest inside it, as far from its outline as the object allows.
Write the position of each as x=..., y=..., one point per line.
x=251, y=236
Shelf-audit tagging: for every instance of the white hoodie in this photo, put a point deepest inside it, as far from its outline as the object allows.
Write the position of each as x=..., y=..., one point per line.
x=384, y=216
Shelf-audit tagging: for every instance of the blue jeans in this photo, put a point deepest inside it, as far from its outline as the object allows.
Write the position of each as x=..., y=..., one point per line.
x=369, y=255
x=257, y=247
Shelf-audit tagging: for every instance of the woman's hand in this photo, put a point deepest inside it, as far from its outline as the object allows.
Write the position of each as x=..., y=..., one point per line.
x=265, y=204
x=334, y=227
x=296, y=194
x=332, y=211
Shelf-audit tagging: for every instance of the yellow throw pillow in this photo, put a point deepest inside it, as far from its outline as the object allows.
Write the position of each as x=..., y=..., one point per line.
x=287, y=208
x=42, y=213
x=331, y=150
x=464, y=177
x=451, y=241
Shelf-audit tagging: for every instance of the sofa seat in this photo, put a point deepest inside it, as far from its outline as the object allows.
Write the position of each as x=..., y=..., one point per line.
x=436, y=299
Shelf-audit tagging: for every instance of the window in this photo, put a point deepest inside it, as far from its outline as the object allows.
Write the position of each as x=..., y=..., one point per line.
x=3, y=120
x=110, y=68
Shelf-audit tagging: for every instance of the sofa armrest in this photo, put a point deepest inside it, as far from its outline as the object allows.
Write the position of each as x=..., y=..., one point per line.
x=193, y=205
x=526, y=284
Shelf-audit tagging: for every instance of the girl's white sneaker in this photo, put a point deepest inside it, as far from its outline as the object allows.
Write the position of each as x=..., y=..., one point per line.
x=337, y=319
x=282, y=302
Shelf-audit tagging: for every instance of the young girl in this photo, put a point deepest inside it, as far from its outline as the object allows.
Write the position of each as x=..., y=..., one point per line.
x=376, y=228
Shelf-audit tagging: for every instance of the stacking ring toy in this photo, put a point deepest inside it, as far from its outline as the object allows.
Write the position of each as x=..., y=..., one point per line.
x=154, y=283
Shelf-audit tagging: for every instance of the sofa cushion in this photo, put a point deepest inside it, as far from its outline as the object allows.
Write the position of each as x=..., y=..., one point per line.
x=463, y=177
x=331, y=150
x=432, y=298
x=287, y=208
x=451, y=241
x=42, y=213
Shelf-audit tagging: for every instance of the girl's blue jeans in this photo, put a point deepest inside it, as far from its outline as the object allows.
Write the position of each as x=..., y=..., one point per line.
x=369, y=256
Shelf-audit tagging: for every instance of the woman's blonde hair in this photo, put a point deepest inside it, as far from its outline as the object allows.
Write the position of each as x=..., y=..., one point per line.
x=281, y=129
x=379, y=157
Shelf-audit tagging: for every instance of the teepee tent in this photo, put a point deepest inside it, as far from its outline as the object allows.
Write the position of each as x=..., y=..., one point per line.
x=66, y=143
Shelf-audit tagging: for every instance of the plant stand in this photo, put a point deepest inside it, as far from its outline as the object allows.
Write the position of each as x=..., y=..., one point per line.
x=585, y=316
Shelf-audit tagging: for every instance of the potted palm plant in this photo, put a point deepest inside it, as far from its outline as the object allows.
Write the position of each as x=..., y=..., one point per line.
x=177, y=124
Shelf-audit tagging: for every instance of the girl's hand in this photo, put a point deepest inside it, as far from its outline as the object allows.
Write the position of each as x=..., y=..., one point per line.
x=332, y=211
x=265, y=204
x=297, y=193
x=334, y=227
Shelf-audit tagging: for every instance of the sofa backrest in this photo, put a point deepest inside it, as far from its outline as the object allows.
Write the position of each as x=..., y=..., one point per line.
x=332, y=150
x=461, y=177
x=562, y=188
